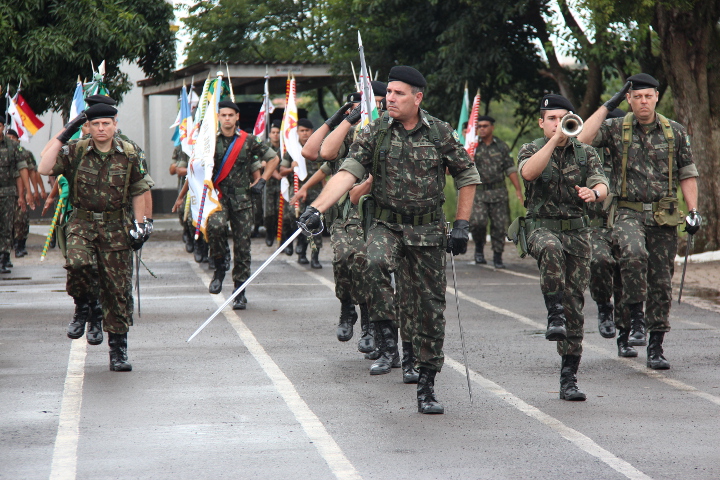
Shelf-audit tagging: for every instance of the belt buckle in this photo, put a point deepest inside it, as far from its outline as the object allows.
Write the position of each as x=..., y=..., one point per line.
x=564, y=224
x=98, y=217
x=647, y=207
x=407, y=218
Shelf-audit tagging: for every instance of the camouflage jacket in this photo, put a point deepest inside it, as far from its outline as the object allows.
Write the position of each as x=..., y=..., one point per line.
x=235, y=187
x=563, y=201
x=180, y=159
x=140, y=153
x=595, y=209
x=493, y=163
x=28, y=157
x=647, y=166
x=11, y=162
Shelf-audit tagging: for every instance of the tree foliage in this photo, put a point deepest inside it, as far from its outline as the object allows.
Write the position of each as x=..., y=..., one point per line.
x=49, y=43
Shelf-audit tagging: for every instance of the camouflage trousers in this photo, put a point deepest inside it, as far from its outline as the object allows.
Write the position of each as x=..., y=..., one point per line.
x=646, y=258
x=257, y=202
x=21, y=224
x=241, y=224
x=92, y=270
x=404, y=306
x=7, y=214
x=348, y=244
x=422, y=281
x=605, y=281
x=564, y=262
x=271, y=203
x=498, y=213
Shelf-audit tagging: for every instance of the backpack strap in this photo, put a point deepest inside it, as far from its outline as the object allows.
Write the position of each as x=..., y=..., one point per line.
x=435, y=137
x=132, y=155
x=670, y=138
x=627, y=140
x=546, y=176
x=80, y=150
x=382, y=145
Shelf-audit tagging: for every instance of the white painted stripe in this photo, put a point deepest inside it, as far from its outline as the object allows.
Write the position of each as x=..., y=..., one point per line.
x=64, y=460
x=510, y=272
x=315, y=430
x=576, y=438
x=610, y=354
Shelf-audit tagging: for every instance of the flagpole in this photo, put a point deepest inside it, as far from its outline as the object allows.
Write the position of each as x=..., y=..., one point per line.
x=363, y=71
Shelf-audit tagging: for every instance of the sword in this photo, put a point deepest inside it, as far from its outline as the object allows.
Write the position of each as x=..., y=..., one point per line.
x=462, y=332
x=687, y=254
x=138, y=260
x=247, y=282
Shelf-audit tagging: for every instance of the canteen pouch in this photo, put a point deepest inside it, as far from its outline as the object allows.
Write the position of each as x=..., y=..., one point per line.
x=668, y=213
x=517, y=233
x=60, y=238
x=366, y=210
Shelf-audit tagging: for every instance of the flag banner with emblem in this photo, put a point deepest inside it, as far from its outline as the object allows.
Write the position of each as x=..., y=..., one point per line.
x=471, y=139
x=29, y=119
x=16, y=122
x=289, y=134
x=368, y=107
x=203, y=196
x=463, y=115
x=185, y=123
x=263, y=118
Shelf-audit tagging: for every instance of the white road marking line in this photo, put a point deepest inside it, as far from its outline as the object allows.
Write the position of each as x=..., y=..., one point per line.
x=64, y=460
x=578, y=439
x=315, y=430
x=599, y=350
x=510, y=272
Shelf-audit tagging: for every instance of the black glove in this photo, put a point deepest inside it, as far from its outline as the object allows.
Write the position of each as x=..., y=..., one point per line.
x=617, y=99
x=693, y=222
x=148, y=228
x=337, y=117
x=459, y=236
x=137, y=236
x=258, y=187
x=355, y=115
x=72, y=127
x=311, y=221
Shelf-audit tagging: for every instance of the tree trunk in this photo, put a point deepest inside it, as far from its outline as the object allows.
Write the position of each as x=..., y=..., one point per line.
x=689, y=39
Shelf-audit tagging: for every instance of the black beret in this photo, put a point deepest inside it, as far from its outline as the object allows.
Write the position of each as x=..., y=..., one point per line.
x=354, y=97
x=12, y=132
x=641, y=81
x=95, y=99
x=305, y=122
x=379, y=88
x=228, y=104
x=408, y=75
x=617, y=113
x=2, y=119
x=100, y=110
x=486, y=118
x=556, y=102
x=275, y=123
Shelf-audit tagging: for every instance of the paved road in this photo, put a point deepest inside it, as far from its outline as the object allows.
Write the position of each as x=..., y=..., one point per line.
x=270, y=393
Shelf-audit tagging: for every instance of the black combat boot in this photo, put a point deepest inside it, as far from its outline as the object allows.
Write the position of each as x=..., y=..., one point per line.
x=118, y=352
x=556, y=331
x=348, y=317
x=625, y=350
x=479, y=255
x=314, y=260
x=240, y=302
x=568, y=380
x=200, y=251
x=76, y=328
x=218, y=276
x=4, y=260
x=637, y=325
x=301, y=250
x=288, y=250
x=655, y=358
x=389, y=356
x=94, y=332
x=366, y=344
x=188, y=241
x=427, y=403
x=269, y=237
x=606, y=324
x=20, y=250
x=497, y=260
x=410, y=375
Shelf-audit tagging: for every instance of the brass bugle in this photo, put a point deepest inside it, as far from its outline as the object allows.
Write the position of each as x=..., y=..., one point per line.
x=571, y=125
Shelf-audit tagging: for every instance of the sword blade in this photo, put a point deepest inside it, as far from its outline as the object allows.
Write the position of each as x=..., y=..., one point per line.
x=137, y=279
x=247, y=282
x=462, y=332
x=687, y=254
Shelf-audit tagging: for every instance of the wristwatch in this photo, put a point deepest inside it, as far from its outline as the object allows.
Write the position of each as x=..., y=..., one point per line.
x=597, y=193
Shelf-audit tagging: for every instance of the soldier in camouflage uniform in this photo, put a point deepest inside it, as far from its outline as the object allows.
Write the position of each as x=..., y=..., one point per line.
x=105, y=177
x=243, y=154
x=179, y=167
x=14, y=189
x=493, y=161
x=561, y=175
x=407, y=221
x=645, y=225
x=271, y=195
x=21, y=225
x=287, y=168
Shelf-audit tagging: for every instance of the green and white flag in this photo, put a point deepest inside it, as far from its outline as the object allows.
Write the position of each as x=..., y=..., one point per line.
x=464, y=112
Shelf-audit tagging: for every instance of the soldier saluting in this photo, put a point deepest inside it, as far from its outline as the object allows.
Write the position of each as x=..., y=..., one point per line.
x=407, y=151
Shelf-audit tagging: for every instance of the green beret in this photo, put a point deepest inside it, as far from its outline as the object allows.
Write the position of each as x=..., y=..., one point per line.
x=556, y=102
x=407, y=75
x=100, y=110
x=641, y=81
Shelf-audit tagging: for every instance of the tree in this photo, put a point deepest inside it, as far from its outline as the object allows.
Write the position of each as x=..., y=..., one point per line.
x=49, y=43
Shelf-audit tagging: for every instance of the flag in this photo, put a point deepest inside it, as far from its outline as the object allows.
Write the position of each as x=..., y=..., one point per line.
x=263, y=118
x=16, y=122
x=289, y=135
x=29, y=120
x=368, y=107
x=471, y=140
x=463, y=115
x=185, y=123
